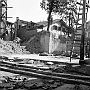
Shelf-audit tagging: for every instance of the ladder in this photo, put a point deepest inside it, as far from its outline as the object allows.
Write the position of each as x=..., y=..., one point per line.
x=77, y=35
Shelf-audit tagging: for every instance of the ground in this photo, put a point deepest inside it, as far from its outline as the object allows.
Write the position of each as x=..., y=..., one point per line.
x=39, y=84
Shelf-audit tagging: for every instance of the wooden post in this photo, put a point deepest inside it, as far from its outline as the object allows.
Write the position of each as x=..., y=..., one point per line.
x=17, y=18
x=11, y=33
x=0, y=16
x=89, y=50
x=83, y=34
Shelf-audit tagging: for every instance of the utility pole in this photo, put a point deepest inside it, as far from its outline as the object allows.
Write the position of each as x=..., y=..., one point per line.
x=83, y=34
x=0, y=16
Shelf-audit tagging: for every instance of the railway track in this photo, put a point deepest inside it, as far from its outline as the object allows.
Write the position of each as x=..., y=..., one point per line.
x=44, y=74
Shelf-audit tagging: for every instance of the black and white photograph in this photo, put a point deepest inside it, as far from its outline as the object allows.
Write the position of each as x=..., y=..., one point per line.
x=44, y=45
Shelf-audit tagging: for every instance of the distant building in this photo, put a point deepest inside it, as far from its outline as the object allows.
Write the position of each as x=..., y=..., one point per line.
x=59, y=32
x=25, y=24
x=53, y=41
x=57, y=25
x=25, y=30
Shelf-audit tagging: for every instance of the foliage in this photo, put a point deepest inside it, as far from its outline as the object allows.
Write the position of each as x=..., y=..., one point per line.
x=63, y=8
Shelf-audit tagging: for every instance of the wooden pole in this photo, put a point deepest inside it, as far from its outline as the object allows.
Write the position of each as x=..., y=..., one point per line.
x=0, y=16
x=49, y=16
x=89, y=50
x=17, y=18
x=11, y=33
x=83, y=34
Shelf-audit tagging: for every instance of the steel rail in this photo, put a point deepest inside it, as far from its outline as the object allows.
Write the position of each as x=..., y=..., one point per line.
x=43, y=76
x=20, y=65
x=25, y=66
x=49, y=72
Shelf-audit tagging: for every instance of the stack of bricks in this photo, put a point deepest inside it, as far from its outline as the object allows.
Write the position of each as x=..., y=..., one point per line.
x=12, y=47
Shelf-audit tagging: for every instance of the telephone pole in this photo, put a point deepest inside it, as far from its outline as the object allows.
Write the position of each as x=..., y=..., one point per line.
x=0, y=16
x=83, y=34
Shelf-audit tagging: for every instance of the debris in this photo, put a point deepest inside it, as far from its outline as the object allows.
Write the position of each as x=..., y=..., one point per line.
x=43, y=54
x=50, y=63
x=73, y=87
x=10, y=47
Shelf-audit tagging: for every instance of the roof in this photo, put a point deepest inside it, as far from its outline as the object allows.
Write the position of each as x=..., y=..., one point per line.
x=26, y=22
x=45, y=23
x=10, y=23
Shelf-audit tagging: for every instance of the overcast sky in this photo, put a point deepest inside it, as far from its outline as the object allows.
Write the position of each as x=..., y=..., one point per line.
x=28, y=10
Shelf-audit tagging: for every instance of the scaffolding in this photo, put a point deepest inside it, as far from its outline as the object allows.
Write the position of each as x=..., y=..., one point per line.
x=3, y=17
x=78, y=45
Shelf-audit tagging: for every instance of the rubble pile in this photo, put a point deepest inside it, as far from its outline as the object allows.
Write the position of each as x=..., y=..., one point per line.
x=10, y=47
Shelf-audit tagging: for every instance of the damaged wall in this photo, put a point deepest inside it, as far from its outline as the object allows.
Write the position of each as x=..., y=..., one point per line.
x=44, y=42
x=55, y=43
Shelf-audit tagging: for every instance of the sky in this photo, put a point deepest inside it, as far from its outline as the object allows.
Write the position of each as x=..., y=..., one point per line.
x=28, y=10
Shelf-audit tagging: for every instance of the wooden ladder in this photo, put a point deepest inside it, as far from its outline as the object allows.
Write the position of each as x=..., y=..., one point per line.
x=77, y=35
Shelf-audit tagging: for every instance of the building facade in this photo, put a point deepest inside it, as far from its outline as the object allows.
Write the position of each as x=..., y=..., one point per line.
x=58, y=35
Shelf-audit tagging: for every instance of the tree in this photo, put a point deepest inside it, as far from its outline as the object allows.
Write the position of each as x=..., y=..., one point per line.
x=66, y=9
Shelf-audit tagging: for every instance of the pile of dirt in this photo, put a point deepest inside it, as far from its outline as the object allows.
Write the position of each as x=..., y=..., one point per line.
x=33, y=45
x=73, y=87
x=10, y=47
